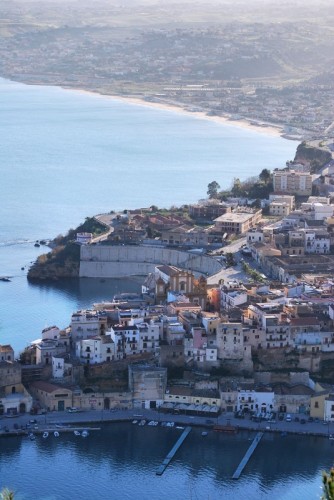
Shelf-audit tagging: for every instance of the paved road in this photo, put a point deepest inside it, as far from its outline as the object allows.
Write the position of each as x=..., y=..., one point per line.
x=98, y=417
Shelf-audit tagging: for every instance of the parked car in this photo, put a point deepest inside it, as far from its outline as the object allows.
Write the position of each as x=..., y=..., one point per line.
x=303, y=421
x=310, y=419
x=288, y=418
x=73, y=410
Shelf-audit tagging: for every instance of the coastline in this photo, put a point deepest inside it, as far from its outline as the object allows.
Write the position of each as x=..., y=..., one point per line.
x=267, y=129
x=68, y=422
x=254, y=125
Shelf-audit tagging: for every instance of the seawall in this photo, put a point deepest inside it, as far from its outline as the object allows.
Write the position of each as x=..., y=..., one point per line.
x=121, y=261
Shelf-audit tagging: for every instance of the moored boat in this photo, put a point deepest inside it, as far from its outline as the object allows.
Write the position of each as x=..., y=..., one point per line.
x=56, y=434
x=84, y=434
x=45, y=434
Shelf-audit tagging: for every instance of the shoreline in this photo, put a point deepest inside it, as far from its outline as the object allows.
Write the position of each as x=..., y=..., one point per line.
x=255, y=125
x=67, y=422
x=243, y=123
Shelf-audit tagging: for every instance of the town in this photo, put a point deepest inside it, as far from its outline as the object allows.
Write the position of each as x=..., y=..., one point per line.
x=235, y=314
x=265, y=66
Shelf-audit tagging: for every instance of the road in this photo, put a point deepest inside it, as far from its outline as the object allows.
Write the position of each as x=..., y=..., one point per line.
x=96, y=417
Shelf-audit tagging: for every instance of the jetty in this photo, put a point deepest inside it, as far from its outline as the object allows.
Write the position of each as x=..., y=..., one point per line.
x=247, y=456
x=161, y=469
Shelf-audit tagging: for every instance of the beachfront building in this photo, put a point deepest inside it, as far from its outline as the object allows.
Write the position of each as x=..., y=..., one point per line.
x=14, y=398
x=292, y=182
x=51, y=396
x=329, y=409
x=258, y=401
x=147, y=385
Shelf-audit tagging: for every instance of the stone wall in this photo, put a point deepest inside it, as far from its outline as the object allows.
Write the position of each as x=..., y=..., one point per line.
x=120, y=261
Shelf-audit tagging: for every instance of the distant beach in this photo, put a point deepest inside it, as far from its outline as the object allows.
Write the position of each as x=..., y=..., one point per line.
x=266, y=129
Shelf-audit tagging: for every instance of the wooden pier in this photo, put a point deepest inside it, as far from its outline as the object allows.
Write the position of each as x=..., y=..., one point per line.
x=161, y=469
x=247, y=456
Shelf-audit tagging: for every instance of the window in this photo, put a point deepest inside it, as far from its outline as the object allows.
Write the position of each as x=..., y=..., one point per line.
x=316, y=404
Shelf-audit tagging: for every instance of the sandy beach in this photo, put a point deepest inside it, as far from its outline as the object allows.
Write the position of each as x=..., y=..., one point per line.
x=271, y=130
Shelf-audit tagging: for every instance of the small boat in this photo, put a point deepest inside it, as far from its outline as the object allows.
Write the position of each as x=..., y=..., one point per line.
x=37, y=245
x=56, y=434
x=331, y=437
x=84, y=434
x=45, y=434
x=77, y=433
x=135, y=421
x=204, y=433
x=32, y=437
x=142, y=422
x=4, y=278
x=179, y=427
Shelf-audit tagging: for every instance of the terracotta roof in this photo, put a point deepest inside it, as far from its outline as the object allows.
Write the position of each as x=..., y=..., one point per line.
x=47, y=387
x=304, y=321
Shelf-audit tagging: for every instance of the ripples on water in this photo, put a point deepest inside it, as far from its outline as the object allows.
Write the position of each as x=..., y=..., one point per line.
x=120, y=462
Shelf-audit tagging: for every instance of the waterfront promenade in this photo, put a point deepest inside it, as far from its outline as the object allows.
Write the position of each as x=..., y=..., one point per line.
x=90, y=417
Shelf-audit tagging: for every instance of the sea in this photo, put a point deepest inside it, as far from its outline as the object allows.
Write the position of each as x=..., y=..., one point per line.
x=66, y=155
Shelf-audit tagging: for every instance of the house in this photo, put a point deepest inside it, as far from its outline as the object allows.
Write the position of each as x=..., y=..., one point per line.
x=14, y=398
x=99, y=349
x=147, y=385
x=87, y=323
x=50, y=396
x=239, y=221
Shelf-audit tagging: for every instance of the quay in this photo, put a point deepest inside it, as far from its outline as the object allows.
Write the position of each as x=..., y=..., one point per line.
x=172, y=452
x=247, y=456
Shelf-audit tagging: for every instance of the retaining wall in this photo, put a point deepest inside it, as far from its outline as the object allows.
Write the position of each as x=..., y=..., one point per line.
x=120, y=261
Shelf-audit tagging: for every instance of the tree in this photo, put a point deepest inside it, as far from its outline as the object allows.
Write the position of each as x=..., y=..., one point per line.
x=237, y=187
x=265, y=176
x=6, y=494
x=213, y=189
x=328, y=485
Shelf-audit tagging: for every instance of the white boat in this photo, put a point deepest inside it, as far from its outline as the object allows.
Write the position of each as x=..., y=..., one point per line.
x=77, y=433
x=84, y=434
x=331, y=437
x=56, y=434
x=135, y=421
x=204, y=433
x=45, y=434
x=142, y=422
x=32, y=437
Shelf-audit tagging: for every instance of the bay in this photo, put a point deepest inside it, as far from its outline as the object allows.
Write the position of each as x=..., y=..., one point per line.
x=66, y=155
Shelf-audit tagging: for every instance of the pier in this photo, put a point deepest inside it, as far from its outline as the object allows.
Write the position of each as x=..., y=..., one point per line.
x=161, y=469
x=247, y=456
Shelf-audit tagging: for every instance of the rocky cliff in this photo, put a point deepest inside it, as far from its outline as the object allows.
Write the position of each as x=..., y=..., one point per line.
x=314, y=156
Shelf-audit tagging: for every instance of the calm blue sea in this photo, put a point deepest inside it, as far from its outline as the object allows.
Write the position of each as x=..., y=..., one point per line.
x=119, y=462
x=65, y=155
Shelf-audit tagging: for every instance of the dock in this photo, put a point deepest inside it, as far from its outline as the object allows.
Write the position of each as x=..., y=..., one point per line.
x=247, y=456
x=161, y=469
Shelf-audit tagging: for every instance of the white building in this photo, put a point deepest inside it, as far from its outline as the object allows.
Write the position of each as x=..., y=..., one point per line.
x=329, y=409
x=84, y=238
x=100, y=349
x=260, y=402
x=85, y=324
